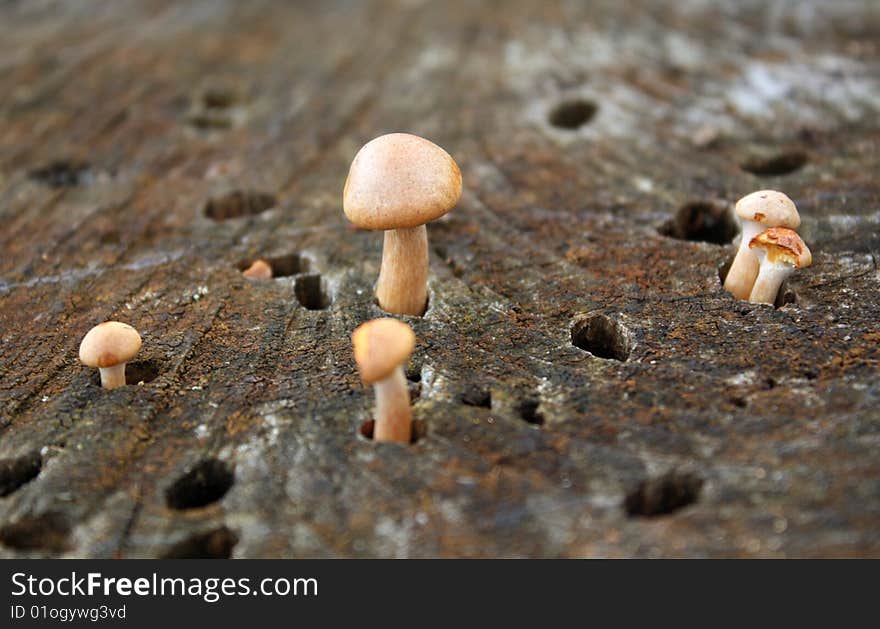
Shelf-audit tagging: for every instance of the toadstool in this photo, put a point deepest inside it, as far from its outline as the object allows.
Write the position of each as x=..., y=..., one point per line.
x=381, y=347
x=757, y=211
x=108, y=346
x=780, y=252
x=397, y=183
x=258, y=270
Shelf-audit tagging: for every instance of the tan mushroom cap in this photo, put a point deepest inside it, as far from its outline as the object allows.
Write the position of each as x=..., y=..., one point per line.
x=380, y=346
x=769, y=207
x=783, y=246
x=400, y=180
x=109, y=344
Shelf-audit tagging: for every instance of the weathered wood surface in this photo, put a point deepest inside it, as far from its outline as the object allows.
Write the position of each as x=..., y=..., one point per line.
x=139, y=142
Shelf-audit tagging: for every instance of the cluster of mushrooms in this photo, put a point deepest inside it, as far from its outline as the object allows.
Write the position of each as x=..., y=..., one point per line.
x=770, y=249
x=399, y=182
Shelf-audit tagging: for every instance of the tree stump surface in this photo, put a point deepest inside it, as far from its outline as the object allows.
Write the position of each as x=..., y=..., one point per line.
x=582, y=384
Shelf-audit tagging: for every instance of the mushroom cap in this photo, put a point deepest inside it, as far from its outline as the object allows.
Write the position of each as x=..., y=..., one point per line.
x=380, y=346
x=400, y=180
x=108, y=344
x=770, y=208
x=258, y=270
x=783, y=246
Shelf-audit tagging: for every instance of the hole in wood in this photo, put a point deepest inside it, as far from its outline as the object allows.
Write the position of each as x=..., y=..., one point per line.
x=141, y=372
x=572, y=114
x=476, y=395
x=414, y=382
x=14, y=473
x=529, y=412
x=219, y=97
x=702, y=221
x=61, y=173
x=49, y=531
x=239, y=203
x=310, y=292
x=601, y=336
x=205, y=484
x=215, y=544
x=663, y=495
x=419, y=430
x=776, y=165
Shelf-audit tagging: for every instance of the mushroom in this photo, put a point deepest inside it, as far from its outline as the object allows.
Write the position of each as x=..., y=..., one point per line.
x=108, y=346
x=397, y=183
x=757, y=211
x=780, y=251
x=258, y=270
x=381, y=347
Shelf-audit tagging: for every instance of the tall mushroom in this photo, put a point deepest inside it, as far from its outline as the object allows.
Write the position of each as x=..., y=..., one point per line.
x=397, y=183
x=780, y=252
x=757, y=211
x=381, y=347
x=108, y=346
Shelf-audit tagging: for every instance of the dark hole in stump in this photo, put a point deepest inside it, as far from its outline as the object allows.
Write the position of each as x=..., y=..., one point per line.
x=572, y=114
x=601, y=336
x=414, y=383
x=205, y=484
x=478, y=396
x=776, y=165
x=702, y=221
x=49, y=531
x=61, y=173
x=16, y=472
x=419, y=430
x=216, y=544
x=239, y=203
x=528, y=411
x=663, y=495
x=219, y=97
x=141, y=371
x=310, y=293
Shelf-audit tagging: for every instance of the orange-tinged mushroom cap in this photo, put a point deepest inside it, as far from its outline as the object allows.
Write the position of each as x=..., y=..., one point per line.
x=380, y=346
x=109, y=344
x=783, y=246
x=400, y=180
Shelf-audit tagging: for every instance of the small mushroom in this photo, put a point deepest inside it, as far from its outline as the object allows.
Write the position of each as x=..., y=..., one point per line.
x=259, y=270
x=108, y=346
x=381, y=347
x=397, y=183
x=757, y=211
x=780, y=252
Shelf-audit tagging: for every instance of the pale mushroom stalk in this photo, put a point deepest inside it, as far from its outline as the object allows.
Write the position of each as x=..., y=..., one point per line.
x=744, y=270
x=403, y=277
x=757, y=211
x=393, y=419
x=112, y=377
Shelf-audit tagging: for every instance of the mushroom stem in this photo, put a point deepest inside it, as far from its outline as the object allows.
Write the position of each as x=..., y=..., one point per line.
x=113, y=377
x=402, y=286
x=744, y=270
x=770, y=278
x=393, y=414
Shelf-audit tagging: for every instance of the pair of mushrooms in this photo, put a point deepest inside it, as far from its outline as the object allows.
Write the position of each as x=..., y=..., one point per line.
x=397, y=183
x=770, y=249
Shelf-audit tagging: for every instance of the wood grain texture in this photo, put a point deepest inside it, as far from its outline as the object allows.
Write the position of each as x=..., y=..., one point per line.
x=583, y=385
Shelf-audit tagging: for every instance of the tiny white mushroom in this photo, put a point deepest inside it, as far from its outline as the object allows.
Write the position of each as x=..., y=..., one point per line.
x=381, y=347
x=780, y=252
x=757, y=211
x=108, y=346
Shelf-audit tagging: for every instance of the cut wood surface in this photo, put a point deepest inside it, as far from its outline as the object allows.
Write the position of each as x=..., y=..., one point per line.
x=582, y=384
